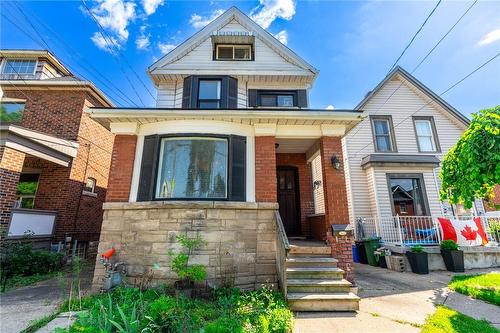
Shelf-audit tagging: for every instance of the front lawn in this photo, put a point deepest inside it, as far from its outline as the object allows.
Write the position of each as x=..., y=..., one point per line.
x=158, y=310
x=482, y=286
x=18, y=281
x=446, y=320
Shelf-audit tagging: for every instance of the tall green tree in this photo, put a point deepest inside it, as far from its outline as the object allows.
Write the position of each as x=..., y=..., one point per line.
x=471, y=169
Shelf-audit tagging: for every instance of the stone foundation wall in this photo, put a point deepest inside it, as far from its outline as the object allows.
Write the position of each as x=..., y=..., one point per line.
x=240, y=240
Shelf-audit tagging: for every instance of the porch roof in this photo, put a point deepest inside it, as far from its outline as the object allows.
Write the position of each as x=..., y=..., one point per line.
x=47, y=147
x=248, y=116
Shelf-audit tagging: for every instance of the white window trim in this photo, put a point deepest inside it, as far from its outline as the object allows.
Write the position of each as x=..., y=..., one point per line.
x=4, y=63
x=93, y=186
x=234, y=46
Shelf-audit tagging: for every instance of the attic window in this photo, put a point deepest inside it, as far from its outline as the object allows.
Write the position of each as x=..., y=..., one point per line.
x=233, y=52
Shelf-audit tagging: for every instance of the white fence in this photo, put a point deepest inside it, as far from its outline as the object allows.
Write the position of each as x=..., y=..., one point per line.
x=413, y=230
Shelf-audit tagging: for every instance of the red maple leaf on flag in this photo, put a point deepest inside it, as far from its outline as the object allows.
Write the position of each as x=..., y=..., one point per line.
x=468, y=233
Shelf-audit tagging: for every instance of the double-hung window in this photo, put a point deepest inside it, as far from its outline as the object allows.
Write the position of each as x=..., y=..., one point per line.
x=209, y=94
x=383, y=134
x=426, y=134
x=192, y=168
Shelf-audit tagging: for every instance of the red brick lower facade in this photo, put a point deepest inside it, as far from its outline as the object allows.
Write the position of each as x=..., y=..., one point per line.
x=265, y=169
x=11, y=165
x=122, y=168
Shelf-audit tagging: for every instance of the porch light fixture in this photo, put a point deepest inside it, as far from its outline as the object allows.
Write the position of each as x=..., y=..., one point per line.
x=335, y=162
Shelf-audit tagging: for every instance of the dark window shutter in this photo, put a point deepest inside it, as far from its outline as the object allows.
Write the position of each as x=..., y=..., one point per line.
x=232, y=96
x=252, y=98
x=186, y=92
x=302, y=98
x=148, y=165
x=237, y=189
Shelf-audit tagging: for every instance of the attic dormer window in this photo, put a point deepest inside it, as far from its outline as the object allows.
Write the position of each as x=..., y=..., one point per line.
x=233, y=52
x=19, y=67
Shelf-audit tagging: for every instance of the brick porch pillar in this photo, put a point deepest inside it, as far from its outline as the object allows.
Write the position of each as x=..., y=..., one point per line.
x=265, y=169
x=122, y=168
x=11, y=165
x=336, y=209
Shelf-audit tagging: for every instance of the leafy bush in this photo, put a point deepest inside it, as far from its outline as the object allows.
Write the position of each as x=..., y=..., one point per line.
x=417, y=249
x=449, y=245
x=229, y=311
x=180, y=262
x=20, y=259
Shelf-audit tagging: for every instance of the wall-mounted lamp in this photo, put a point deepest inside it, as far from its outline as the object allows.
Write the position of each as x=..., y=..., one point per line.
x=276, y=145
x=335, y=162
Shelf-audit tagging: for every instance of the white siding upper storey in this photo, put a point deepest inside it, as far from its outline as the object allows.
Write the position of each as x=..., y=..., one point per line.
x=270, y=65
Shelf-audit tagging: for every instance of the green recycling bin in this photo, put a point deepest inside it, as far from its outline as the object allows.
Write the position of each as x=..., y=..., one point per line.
x=371, y=244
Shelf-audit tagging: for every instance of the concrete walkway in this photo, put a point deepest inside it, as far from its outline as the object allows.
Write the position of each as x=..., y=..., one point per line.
x=21, y=306
x=395, y=302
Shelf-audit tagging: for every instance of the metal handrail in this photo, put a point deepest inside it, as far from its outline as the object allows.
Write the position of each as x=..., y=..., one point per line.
x=281, y=231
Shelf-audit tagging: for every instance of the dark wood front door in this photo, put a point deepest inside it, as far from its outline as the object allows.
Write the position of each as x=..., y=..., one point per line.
x=288, y=199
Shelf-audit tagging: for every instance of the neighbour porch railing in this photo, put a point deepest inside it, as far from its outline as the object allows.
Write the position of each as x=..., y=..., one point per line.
x=416, y=230
x=282, y=248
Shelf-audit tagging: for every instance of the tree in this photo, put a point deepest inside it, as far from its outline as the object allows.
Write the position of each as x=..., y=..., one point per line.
x=471, y=169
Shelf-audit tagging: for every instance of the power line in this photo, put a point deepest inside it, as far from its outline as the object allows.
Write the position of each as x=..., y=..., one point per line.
x=104, y=35
x=415, y=35
x=444, y=92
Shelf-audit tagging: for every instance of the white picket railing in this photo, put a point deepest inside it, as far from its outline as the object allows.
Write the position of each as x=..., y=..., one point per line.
x=413, y=230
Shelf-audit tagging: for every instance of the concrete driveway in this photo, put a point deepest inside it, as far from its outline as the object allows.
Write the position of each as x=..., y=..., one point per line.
x=21, y=306
x=394, y=302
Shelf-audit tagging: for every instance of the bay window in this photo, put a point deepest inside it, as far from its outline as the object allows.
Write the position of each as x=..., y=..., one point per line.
x=407, y=193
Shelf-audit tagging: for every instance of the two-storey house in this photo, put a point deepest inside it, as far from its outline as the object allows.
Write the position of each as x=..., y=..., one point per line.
x=230, y=140
x=54, y=159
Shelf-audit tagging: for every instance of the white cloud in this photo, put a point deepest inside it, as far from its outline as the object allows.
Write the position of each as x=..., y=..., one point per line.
x=490, y=37
x=114, y=16
x=330, y=107
x=142, y=42
x=166, y=47
x=198, y=21
x=269, y=10
x=150, y=6
x=282, y=36
x=104, y=44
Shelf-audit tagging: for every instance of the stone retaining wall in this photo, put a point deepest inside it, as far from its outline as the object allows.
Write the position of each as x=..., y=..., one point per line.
x=240, y=240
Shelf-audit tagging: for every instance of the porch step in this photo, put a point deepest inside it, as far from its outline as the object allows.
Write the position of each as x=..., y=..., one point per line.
x=311, y=262
x=323, y=301
x=310, y=251
x=314, y=273
x=318, y=286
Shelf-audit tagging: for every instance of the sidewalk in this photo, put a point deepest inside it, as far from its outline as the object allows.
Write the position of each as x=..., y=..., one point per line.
x=395, y=302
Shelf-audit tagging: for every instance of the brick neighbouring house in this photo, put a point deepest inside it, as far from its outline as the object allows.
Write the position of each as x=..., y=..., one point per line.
x=232, y=137
x=54, y=159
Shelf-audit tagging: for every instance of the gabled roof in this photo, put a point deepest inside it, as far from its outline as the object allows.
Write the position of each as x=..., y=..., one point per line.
x=222, y=20
x=398, y=70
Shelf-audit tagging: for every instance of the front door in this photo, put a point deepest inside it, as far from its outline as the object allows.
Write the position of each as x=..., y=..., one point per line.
x=288, y=199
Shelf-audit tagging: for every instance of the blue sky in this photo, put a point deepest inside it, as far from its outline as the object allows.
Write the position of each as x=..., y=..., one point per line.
x=352, y=43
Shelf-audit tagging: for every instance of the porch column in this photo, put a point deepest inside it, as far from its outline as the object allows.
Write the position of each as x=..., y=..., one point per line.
x=265, y=169
x=336, y=209
x=11, y=165
x=122, y=167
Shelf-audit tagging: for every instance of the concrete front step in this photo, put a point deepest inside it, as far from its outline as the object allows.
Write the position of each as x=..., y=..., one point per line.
x=323, y=301
x=324, y=251
x=318, y=286
x=332, y=273
x=311, y=262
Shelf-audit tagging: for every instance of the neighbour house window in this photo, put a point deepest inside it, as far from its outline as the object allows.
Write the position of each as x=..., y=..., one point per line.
x=11, y=112
x=317, y=178
x=209, y=94
x=426, y=134
x=90, y=185
x=233, y=52
x=193, y=167
x=19, y=66
x=383, y=134
x=408, y=194
x=26, y=190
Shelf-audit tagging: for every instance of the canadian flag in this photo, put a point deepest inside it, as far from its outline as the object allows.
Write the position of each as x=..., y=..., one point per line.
x=464, y=232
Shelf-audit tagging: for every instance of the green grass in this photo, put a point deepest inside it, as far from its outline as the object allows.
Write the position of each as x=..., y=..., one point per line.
x=446, y=320
x=19, y=281
x=481, y=286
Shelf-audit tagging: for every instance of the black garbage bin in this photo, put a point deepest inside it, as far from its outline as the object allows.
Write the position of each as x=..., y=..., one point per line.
x=360, y=249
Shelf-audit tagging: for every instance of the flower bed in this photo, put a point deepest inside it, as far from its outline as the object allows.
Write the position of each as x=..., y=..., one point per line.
x=158, y=310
